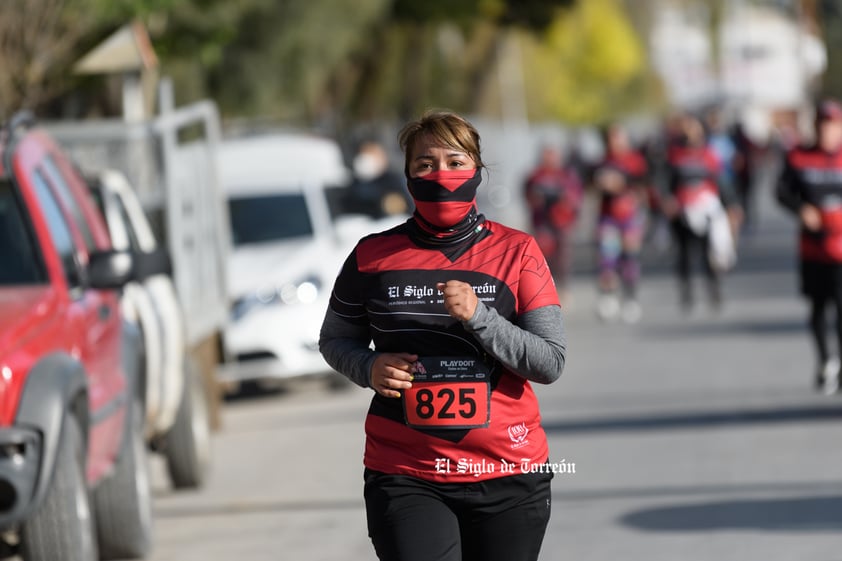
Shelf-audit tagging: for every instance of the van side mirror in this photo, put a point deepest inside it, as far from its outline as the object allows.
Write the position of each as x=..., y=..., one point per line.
x=110, y=269
x=151, y=263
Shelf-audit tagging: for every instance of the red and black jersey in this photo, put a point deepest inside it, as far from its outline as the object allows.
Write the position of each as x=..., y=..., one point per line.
x=388, y=284
x=812, y=176
x=692, y=172
x=634, y=169
x=554, y=196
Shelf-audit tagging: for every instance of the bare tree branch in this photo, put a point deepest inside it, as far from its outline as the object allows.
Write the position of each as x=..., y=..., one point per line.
x=39, y=40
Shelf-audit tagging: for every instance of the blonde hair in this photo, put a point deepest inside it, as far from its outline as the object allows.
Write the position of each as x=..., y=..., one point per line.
x=446, y=128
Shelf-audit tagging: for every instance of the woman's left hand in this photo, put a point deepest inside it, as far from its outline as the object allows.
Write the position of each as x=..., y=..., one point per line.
x=460, y=300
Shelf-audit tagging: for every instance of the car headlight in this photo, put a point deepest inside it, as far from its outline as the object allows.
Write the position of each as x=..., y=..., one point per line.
x=305, y=291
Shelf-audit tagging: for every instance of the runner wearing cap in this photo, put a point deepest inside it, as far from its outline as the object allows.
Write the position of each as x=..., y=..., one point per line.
x=811, y=187
x=698, y=204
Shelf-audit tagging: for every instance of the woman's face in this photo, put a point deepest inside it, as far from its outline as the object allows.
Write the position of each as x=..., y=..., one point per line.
x=694, y=133
x=429, y=156
x=618, y=141
x=830, y=135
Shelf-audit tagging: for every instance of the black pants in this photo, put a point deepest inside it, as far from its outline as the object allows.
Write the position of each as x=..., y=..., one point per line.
x=821, y=283
x=693, y=248
x=502, y=519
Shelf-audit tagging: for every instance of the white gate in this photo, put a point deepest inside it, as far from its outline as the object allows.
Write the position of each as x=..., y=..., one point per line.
x=171, y=162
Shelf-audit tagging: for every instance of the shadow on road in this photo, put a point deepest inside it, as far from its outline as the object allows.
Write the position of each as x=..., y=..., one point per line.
x=803, y=514
x=248, y=391
x=702, y=419
x=765, y=327
x=255, y=507
x=253, y=390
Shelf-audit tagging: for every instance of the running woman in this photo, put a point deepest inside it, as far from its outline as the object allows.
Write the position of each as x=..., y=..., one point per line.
x=811, y=187
x=701, y=210
x=449, y=318
x=553, y=193
x=622, y=182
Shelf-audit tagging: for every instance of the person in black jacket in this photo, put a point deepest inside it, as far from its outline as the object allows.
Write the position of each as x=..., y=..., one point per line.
x=699, y=205
x=810, y=187
x=376, y=190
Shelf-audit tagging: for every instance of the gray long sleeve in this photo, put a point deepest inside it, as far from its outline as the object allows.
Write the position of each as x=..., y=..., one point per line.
x=346, y=348
x=535, y=348
x=787, y=189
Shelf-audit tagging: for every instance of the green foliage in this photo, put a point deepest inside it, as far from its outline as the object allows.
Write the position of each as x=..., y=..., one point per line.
x=533, y=14
x=430, y=11
x=123, y=10
x=320, y=61
x=307, y=60
x=265, y=57
x=581, y=67
x=831, y=22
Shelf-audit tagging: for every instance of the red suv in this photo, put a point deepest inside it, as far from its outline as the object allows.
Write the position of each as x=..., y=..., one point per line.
x=73, y=480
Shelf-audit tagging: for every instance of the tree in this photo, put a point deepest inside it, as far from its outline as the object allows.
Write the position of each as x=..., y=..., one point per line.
x=37, y=37
x=583, y=60
x=581, y=68
x=830, y=19
x=40, y=40
x=324, y=63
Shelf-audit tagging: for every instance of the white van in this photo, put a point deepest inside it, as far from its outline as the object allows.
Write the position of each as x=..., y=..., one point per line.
x=286, y=251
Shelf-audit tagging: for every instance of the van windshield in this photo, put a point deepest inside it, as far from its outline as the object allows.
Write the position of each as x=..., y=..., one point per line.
x=269, y=218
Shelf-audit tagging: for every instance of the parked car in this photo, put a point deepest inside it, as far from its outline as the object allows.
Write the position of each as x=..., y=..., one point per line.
x=288, y=244
x=171, y=388
x=73, y=469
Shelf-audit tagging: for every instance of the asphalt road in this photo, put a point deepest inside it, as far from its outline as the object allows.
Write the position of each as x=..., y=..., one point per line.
x=694, y=437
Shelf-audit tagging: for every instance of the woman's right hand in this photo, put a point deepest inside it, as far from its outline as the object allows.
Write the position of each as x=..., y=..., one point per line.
x=392, y=372
x=811, y=217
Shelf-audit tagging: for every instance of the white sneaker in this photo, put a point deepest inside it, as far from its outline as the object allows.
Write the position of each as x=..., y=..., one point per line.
x=607, y=307
x=829, y=376
x=632, y=312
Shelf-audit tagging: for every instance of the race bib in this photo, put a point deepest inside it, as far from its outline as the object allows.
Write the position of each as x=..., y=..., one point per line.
x=448, y=392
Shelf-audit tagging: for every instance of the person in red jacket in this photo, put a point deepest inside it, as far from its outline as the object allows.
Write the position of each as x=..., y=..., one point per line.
x=622, y=182
x=449, y=318
x=811, y=187
x=553, y=193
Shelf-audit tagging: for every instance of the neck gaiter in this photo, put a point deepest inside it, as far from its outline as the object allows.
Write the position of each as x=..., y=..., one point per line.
x=444, y=198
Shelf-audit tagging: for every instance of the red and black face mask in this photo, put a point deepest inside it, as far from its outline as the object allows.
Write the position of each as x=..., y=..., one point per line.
x=444, y=198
